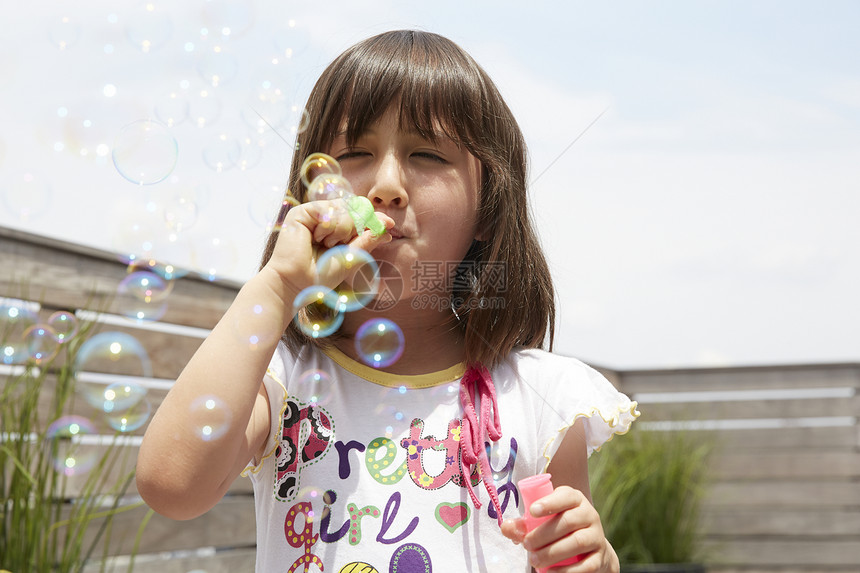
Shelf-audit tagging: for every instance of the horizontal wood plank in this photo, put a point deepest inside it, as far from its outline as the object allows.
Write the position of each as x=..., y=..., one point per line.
x=756, y=409
x=86, y=278
x=231, y=523
x=221, y=561
x=784, y=494
x=798, y=552
x=787, y=465
x=728, y=379
x=789, y=439
x=813, y=522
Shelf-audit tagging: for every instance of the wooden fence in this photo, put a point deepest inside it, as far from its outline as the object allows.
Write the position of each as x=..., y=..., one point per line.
x=59, y=276
x=786, y=491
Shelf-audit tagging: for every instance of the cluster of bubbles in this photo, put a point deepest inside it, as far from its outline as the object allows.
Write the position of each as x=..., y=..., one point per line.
x=26, y=339
x=217, y=115
x=319, y=310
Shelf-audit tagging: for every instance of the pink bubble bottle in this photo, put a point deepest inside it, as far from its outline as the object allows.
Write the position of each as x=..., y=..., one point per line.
x=532, y=489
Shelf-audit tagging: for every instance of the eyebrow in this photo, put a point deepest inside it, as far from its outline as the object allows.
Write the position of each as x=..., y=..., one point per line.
x=438, y=134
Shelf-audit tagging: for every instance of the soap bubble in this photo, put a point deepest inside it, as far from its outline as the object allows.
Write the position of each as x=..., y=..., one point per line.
x=250, y=152
x=70, y=456
x=41, y=343
x=327, y=186
x=299, y=119
x=317, y=385
x=291, y=40
x=172, y=108
x=314, y=310
x=64, y=325
x=149, y=27
x=89, y=129
x=264, y=203
x=361, y=282
x=16, y=318
x=180, y=213
x=64, y=31
x=267, y=108
x=317, y=164
x=204, y=106
x=142, y=294
x=228, y=18
x=126, y=406
x=221, y=153
x=379, y=342
x=26, y=195
x=210, y=416
x=216, y=257
x=145, y=152
x=217, y=67
x=108, y=353
x=166, y=271
x=146, y=285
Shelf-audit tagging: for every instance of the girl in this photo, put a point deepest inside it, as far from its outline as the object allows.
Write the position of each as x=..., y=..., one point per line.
x=411, y=467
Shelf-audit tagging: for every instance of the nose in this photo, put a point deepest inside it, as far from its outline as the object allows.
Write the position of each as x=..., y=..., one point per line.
x=388, y=188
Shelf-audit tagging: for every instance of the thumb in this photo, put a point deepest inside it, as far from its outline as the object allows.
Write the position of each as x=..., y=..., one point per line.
x=368, y=241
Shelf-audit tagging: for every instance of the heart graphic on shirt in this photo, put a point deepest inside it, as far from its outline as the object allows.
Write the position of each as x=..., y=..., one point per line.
x=452, y=515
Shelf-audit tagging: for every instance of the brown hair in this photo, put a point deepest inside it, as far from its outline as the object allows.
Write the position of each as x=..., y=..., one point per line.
x=504, y=296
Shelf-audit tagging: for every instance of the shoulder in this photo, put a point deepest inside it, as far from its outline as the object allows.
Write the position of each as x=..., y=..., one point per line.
x=284, y=363
x=540, y=362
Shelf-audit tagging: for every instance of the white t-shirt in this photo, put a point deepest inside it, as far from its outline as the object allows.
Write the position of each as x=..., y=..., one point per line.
x=361, y=471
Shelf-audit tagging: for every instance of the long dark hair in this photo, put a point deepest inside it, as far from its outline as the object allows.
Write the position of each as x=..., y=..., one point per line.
x=503, y=291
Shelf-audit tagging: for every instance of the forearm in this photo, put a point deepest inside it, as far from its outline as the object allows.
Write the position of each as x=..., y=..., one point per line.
x=183, y=465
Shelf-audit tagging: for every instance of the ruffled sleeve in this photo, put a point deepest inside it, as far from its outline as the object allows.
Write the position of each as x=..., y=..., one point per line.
x=572, y=390
x=274, y=382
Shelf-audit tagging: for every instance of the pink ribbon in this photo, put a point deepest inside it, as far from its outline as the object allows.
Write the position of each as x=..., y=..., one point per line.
x=475, y=430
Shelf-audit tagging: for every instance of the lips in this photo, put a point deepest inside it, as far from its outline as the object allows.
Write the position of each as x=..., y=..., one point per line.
x=395, y=233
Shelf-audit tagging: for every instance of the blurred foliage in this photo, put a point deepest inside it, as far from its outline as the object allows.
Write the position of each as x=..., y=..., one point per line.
x=54, y=514
x=648, y=486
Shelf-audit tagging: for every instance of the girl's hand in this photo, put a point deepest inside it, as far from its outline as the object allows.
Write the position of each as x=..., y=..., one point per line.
x=306, y=231
x=574, y=530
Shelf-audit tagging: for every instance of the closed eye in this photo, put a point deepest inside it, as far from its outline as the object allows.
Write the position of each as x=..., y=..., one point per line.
x=429, y=155
x=350, y=155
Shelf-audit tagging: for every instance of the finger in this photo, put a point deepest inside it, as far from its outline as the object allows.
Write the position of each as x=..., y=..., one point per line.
x=514, y=529
x=561, y=499
x=334, y=226
x=575, y=547
x=368, y=241
x=562, y=525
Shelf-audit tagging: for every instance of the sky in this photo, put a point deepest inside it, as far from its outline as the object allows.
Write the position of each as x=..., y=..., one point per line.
x=694, y=165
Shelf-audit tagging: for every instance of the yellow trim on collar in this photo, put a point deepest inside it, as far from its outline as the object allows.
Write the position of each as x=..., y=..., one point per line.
x=395, y=380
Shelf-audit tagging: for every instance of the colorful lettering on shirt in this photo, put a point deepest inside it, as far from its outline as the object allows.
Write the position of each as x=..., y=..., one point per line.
x=355, y=516
x=389, y=514
x=330, y=497
x=304, y=538
x=343, y=456
x=305, y=440
x=376, y=465
x=505, y=473
x=416, y=447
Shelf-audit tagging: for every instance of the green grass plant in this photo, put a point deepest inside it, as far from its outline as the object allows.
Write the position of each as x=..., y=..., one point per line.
x=648, y=487
x=53, y=518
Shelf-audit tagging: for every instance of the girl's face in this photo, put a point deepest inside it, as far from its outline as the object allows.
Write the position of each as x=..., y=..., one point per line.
x=429, y=189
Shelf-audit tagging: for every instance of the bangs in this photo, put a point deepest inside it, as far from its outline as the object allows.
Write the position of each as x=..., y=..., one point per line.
x=434, y=84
